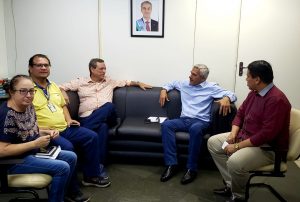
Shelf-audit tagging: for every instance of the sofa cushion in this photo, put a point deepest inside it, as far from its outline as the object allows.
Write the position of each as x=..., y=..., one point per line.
x=135, y=128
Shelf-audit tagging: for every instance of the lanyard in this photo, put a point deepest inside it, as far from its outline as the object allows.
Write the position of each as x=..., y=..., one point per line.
x=45, y=90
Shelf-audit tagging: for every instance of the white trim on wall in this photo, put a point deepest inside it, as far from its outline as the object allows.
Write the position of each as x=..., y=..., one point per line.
x=99, y=27
x=3, y=53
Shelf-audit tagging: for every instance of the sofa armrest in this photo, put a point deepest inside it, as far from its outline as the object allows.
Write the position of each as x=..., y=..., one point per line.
x=114, y=128
x=73, y=106
x=220, y=123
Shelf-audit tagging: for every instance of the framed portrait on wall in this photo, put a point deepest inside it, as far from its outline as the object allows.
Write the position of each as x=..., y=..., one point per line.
x=147, y=18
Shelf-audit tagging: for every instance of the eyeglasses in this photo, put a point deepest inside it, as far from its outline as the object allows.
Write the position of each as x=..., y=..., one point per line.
x=25, y=91
x=41, y=65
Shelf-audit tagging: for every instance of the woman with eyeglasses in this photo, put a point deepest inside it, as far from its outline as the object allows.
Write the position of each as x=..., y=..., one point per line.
x=20, y=137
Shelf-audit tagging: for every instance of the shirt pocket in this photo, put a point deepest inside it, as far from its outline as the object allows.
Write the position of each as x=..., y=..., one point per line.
x=39, y=103
x=86, y=94
x=56, y=99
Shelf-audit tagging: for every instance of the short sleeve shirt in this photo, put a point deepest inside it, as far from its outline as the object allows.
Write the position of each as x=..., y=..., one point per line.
x=47, y=118
x=18, y=127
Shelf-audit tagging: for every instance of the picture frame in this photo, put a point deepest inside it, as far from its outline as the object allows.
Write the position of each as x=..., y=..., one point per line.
x=143, y=10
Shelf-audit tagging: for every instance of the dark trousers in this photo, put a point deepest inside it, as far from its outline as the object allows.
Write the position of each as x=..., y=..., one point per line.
x=99, y=121
x=61, y=169
x=194, y=127
x=86, y=143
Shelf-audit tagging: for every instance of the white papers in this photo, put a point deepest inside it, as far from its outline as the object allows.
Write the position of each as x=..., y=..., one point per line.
x=153, y=119
x=156, y=119
x=162, y=119
x=224, y=145
x=51, y=153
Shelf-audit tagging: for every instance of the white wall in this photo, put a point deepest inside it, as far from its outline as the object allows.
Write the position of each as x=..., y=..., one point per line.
x=217, y=39
x=10, y=35
x=270, y=31
x=65, y=30
x=152, y=60
x=160, y=60
x=3, y=53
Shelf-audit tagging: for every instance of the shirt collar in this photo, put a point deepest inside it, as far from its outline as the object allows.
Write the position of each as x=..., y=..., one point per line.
x=202, y=84
x=89, y=80
x=146, y=20
x=264, y=91
x=37, y=85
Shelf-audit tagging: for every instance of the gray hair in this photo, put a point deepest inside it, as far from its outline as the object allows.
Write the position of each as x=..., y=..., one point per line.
x=146, y=2
x=204, y=71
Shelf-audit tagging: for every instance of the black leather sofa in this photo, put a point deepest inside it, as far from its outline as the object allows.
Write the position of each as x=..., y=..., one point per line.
x=135, y=141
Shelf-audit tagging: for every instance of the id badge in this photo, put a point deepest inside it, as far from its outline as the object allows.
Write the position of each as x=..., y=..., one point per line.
x=51, y=107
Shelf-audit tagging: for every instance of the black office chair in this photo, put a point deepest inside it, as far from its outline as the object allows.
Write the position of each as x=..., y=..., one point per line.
x=21, y=183
x=279, y=167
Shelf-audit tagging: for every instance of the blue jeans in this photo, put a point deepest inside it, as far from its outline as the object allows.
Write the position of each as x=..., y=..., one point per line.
x=194, y=127
x=99, y=122
x=86, y=142
x=60, y=169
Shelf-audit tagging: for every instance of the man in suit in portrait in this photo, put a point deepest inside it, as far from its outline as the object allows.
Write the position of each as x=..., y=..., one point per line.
x=146, y=23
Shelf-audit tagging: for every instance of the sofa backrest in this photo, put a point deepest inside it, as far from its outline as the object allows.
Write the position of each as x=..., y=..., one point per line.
x=135, y=102
x=145, y=103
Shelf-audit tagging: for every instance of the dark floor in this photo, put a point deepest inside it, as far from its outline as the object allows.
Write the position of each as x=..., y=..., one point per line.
x=136, y=183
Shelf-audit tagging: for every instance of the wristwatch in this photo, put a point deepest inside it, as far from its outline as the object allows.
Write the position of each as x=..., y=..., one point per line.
x=237, y=146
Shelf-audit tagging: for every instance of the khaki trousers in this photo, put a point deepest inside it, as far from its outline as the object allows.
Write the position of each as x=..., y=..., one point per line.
x=235, y=168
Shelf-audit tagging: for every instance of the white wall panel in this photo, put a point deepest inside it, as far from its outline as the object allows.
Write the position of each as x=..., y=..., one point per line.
x=3, y=49
x=152, y=60
x=65, y=30
x=217, y=39
x=270, y=31
x=68, y=32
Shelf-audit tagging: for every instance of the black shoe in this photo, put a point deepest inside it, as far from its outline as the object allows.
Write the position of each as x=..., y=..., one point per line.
x=169, y=172
x=226, y=191
x=234, y=199
x=96, y=182
x=77, y=197
x=189, y=176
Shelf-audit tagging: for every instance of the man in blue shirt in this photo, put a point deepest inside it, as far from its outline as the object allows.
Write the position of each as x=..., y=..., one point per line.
x=197, y=96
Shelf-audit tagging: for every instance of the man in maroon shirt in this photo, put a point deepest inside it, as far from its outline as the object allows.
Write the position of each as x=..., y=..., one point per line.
x=262, y=119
